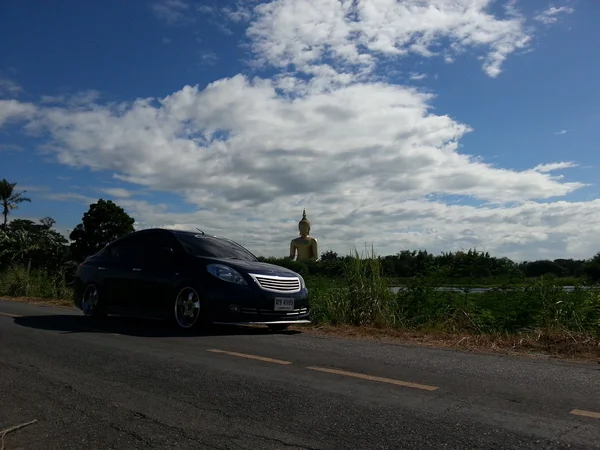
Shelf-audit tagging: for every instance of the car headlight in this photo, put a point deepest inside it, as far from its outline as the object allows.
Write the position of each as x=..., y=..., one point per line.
x=302, y=282
x=226, y=273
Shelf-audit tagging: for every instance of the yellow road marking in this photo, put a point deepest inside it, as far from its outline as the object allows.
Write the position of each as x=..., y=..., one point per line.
x=9, y=314
x=582, y=412
x=244, y=355
x=372, y=378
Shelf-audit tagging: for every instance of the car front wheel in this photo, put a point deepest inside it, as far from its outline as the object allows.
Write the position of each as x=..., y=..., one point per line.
x=187, y=308
x=90, y=302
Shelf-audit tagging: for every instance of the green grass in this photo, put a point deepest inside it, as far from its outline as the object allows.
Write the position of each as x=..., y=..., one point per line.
x=361, y=297
x=16, y=281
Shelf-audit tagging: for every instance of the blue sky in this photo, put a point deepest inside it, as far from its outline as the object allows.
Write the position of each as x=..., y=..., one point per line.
x=542, y=107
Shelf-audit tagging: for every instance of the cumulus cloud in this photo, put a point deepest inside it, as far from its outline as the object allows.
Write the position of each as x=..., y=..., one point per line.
x=327, y=132
x=303, y=32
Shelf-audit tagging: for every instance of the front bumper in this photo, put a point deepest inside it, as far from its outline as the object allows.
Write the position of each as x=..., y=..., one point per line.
x=243, y=306
x=276, y=322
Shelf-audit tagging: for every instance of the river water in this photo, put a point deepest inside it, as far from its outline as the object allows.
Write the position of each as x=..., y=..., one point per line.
x=480, y=290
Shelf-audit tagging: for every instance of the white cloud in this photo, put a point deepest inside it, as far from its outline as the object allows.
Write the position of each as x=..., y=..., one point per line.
x=81, y=98
x=303, y=32
x=327, y=132
x=560, y=132
x=208, y=57
x=11, y=110
x=69, y=197
x=418, y=76
x=552, y=14
x=173, y=12
x=554, y=166
x=10, y=148
x=239, y=13
x=9, y=87
x=117, y=192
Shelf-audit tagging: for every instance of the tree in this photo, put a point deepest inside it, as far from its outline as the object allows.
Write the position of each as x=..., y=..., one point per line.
x=24, y=242
x=10, y=199
x=101, y=224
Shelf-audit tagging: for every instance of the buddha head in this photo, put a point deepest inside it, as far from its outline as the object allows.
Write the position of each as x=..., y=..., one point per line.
x=304, y=225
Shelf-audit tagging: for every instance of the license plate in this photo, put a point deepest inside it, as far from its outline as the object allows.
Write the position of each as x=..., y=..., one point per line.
x=284, y=304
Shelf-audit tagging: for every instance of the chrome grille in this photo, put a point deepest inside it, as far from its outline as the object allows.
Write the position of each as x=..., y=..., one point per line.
x=286, y=285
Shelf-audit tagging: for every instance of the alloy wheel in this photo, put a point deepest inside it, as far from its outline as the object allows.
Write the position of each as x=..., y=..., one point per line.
x=89, y=301
x=187, y=308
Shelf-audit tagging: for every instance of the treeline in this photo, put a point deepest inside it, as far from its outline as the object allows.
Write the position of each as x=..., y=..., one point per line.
x=460, y=265
x=38, y=246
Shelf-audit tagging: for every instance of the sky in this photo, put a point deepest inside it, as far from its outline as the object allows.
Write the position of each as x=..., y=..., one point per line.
x=440, y=125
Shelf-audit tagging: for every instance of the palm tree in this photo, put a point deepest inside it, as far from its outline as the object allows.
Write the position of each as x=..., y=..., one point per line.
x=9, y=199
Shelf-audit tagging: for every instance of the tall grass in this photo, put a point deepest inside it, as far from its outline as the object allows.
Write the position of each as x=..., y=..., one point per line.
x=362, y=297
x=17, y=281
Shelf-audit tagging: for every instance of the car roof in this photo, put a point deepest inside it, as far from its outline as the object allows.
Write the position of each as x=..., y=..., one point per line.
x=178, y=232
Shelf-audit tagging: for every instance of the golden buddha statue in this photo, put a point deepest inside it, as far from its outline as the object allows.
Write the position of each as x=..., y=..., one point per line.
x=305, y=246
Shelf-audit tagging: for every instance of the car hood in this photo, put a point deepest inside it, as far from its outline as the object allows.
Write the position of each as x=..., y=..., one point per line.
x=256, y=267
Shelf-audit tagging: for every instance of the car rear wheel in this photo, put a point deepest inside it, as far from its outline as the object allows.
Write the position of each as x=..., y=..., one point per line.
x=278, y=327
x=90, y=302
x=187, y=308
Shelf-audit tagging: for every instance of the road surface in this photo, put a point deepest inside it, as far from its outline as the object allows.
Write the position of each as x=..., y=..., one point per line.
x=129, y=384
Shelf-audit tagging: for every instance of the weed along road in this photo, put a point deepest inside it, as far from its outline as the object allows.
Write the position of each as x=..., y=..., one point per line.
x=123, y=384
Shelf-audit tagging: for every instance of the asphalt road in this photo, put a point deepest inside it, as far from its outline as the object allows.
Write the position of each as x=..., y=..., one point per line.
x=139, y=384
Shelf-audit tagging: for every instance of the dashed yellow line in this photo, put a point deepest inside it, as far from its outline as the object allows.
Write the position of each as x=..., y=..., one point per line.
x=10, y=315
x=244, y=355
x=584, y=413
x=373, y=378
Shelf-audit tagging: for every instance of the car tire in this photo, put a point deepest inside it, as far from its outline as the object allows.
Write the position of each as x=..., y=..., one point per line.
x=277, y=327
x=187, y=309
x=91, y=303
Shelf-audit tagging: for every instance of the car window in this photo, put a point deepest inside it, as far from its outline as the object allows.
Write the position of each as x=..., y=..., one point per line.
x=127, y=251
x=200, y=245
x=122, y=251
x=150, y=242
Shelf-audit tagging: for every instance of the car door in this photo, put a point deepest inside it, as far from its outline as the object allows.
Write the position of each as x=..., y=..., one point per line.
x=111, y=269
x=157, y=277
x=119, y=275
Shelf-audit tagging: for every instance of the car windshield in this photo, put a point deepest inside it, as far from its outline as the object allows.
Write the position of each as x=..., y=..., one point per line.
x=200, y=245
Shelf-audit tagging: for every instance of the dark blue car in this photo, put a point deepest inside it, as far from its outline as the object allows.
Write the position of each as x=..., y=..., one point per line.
x=190, y=278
